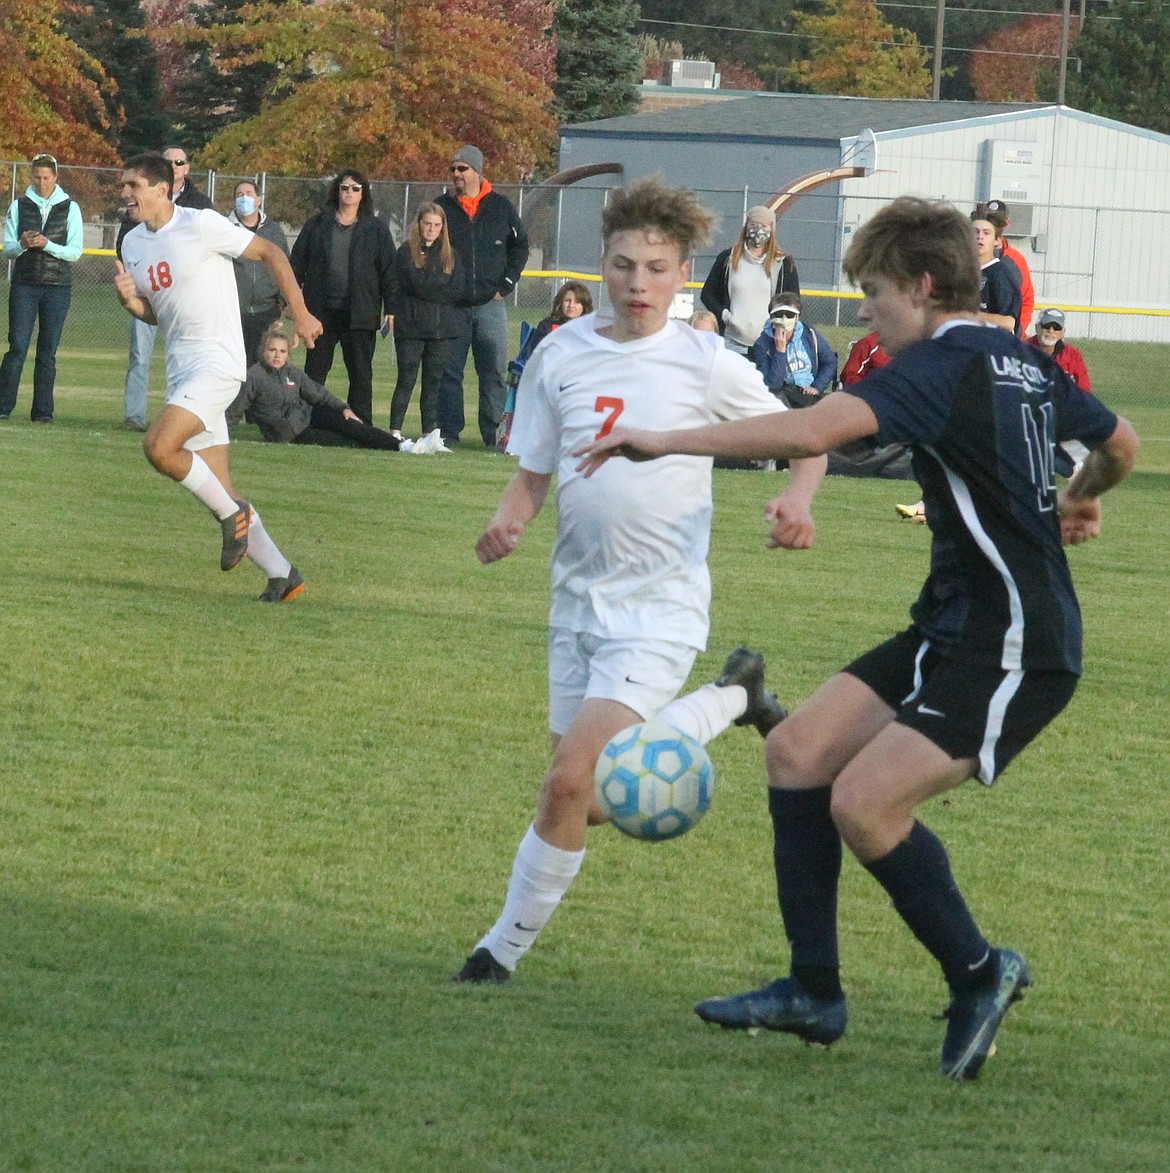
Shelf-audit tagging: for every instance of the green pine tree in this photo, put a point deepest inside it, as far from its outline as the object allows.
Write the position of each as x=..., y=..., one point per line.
x=599, y=64
x=1125, y=65
x=110, y=31
x=218, y=93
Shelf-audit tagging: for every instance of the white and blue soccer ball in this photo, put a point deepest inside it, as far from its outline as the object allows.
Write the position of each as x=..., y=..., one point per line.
x=654, y=782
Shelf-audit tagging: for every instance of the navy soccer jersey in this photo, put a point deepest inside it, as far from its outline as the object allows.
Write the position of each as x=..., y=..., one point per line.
x=984, y=413
x=1000, y=289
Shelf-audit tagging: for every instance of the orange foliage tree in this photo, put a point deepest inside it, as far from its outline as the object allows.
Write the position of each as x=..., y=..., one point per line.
x=53, y=95
x=1003, y=72
x=389, y=86
x=857, y=52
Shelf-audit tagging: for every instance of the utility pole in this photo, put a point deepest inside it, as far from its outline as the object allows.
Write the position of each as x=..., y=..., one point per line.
x=939, y=16
x=1064, y=20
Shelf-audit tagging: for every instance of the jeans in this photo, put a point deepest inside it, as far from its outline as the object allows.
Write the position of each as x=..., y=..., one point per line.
x=357, y=349
x=28, y=305
x=486, y=335
x=142, y=338
x=431, y=353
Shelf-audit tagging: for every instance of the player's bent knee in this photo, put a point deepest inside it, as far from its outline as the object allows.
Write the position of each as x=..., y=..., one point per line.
x=790, y=762
x=568, y=784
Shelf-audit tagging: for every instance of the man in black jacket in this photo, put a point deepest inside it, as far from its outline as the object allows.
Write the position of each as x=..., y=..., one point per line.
x=184, y=194
x=490, y=241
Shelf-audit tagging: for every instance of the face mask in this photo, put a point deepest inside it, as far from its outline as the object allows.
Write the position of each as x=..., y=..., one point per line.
x=756, y=236
x=245, y=205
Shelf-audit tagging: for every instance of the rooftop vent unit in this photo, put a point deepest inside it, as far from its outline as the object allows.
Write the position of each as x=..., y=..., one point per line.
x=695, y=75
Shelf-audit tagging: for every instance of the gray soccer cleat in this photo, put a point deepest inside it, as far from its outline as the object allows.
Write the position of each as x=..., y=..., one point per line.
x=280, y=590
x=746, y=668
x=235, y=536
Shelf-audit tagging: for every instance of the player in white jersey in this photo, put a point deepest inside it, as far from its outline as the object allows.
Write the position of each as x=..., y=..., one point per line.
x=630, y=582
x=176, y=272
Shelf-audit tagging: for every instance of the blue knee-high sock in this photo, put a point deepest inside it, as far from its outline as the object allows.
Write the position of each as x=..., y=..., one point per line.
x=917, y=876
x=807, y=857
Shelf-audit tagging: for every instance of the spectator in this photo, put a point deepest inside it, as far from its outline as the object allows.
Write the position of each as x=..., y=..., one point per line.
x=744, y=279
x=488, y=237
x=260, y=300
x=797, y=363
x=428, y=278
x=184, y=194
x=997, y=212
x=572, y=300
x=1049, y=337
x=289, y=408
x=43, y=232
x=1000, y=298
x=344, y=261
x=865, y=355
x=704, y=320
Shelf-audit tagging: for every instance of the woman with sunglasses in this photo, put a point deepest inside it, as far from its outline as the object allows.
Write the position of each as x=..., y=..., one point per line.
x=344, y=262
x=797, y=363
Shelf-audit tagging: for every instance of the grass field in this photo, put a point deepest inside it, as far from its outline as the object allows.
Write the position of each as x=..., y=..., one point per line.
x=245, y=847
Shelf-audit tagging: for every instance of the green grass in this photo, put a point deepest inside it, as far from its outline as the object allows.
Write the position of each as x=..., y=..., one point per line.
x=245, y=847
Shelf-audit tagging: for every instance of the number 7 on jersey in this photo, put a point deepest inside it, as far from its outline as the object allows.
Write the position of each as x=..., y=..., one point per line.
x=613, y=408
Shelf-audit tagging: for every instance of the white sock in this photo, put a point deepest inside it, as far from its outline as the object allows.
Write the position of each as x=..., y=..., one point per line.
x=541, y=875
x=262, y=550
x=205, y=485
x=706, y=712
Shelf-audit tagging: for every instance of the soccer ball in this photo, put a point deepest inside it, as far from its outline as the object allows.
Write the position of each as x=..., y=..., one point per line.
x=654, y=782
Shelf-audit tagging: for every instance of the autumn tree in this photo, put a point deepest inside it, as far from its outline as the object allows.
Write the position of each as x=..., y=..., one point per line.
x=1125, y=65
x=392, y=86
x=599, y=65
x=854, y=51
x=54, y=96
x=1020, y=63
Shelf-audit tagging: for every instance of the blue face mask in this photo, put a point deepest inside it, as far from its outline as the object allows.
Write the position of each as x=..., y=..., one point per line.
x=245, y=205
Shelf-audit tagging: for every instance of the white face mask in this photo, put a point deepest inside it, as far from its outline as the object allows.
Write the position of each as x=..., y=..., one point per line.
x=245, y=205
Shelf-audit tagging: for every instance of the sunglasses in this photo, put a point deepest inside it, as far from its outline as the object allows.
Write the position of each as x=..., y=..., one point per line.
x=1052, y=326
x=180, y=163
x=44, y=161
x=785, y=315
x=460, y=168
x=349, y=187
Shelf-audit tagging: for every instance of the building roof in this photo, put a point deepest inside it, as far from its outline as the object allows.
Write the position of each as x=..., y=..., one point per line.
x=812, y=118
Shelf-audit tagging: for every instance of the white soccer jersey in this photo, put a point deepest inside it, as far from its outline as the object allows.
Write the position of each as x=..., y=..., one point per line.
x=631, y=551
x=184, y=270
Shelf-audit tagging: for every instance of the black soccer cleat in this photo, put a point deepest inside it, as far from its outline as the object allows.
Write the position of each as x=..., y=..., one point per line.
x=483, y=969
x=281, y=590
x=235, y=536
x=974, y=1016
x=746, y=668
x=784, y=1005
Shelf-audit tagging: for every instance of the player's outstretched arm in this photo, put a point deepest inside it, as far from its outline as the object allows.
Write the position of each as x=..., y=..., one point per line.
x=780, y=435
x=521, y=502
x=791, y=512
x=128, y=295
x=1104, y=467
x=306, y=327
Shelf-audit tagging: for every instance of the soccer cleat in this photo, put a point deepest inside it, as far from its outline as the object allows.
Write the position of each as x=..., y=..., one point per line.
x=974, y=1016
x=746, y=668
x=915, y=512
x=280, y=590
x=483, y=969
x=235, y=536
x=783, y=1005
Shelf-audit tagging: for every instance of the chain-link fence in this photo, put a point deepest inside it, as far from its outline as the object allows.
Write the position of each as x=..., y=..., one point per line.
x=1079, y=254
